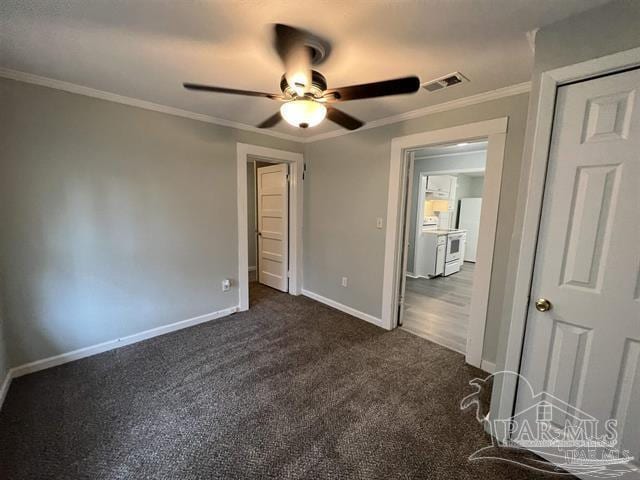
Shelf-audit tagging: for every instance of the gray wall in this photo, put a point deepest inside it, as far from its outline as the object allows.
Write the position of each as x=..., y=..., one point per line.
x=462, y=191
x=421, y=164
x=346, y=189
x=595, y=33
x=115, y=219
x=476, y=187
x=467, y=186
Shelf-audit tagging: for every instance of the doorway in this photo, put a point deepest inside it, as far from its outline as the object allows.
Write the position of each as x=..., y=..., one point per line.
x=443, y=215
x=290, y=269
x=397, y=235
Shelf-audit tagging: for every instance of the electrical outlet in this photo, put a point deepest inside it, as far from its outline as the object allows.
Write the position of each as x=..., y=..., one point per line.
x=379, y=222
x=345, y=281
x=226, y=285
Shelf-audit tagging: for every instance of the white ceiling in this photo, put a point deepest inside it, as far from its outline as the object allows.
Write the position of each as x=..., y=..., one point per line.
x=145, y=49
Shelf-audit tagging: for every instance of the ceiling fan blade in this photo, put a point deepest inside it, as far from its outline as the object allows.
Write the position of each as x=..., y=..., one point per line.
x=271, y=121
x=291, y=46
x=249, y=93
x=343, y=119
x=397, y=86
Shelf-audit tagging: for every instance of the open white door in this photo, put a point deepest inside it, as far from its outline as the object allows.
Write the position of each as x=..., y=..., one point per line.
x=583, y=347
x=273, y=226
x=407, y=241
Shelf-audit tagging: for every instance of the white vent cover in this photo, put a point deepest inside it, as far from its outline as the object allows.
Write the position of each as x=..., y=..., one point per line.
x=449, y=80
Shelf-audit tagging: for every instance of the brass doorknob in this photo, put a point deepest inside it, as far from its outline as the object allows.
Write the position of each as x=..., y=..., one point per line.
x=543, y=305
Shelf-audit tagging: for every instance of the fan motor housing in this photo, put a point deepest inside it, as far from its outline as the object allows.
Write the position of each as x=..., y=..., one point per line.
x=318, y=85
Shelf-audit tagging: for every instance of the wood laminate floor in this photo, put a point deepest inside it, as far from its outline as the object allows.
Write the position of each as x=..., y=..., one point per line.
x=438, y=309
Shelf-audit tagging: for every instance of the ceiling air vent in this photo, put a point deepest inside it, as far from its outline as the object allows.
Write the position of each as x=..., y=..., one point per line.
x=444, y=82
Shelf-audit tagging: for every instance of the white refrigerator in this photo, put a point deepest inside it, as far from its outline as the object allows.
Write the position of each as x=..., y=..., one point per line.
x=469, y=220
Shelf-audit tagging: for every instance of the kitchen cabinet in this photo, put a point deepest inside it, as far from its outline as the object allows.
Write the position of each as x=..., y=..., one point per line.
x=431, y=253
x=442, y=187
x=439, y=184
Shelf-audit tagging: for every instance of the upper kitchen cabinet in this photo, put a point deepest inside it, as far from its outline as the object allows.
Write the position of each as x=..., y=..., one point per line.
x=441, y=186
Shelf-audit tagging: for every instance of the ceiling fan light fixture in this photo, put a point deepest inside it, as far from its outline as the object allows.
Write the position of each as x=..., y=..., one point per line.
x=303, y=113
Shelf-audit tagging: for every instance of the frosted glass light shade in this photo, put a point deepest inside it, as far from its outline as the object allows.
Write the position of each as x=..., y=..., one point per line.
x=303, y=113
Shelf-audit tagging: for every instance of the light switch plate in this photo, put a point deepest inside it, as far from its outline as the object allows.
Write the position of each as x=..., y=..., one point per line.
x=379, y=222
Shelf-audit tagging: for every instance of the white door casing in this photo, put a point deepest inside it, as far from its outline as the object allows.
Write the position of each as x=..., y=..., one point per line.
x=407, y=231
x=586, y=349
x=273, y=226
x=246, y=153
x=495, y=131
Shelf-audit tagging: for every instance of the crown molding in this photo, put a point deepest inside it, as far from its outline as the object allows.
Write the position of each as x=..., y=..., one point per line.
x=517, y=89
x=509, y=91
x=134, y=102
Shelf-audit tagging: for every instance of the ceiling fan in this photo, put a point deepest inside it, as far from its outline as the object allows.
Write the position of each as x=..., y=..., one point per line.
x=305, y=96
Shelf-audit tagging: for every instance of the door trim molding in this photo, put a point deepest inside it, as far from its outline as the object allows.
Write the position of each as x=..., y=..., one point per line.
x=244, y=152
x=527, y=219
x=495, y=131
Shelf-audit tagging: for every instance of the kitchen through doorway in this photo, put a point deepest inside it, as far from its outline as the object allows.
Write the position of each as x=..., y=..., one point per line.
x=443, y=218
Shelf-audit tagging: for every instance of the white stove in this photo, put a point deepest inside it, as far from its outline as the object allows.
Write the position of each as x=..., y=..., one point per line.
x=454, y=255
x=441, y=250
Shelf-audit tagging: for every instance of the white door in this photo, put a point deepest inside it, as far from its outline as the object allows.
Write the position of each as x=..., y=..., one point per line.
x=273, y=226
x=585, y=350
x=470, y=221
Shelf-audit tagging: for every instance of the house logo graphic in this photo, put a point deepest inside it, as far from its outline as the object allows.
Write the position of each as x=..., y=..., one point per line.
x=549, y=435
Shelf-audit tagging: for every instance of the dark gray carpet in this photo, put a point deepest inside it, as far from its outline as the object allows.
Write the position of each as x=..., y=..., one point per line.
x=290, y=389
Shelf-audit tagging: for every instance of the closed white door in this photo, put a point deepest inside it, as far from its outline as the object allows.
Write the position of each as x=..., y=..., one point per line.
x=585, y=350
x=273, y=226
x=470, y=221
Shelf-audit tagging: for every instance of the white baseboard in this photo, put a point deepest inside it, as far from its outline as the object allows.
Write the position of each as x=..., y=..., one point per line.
x=411, y=274
x=343, y=308
x=253, y=269
x=4, y=388
x=488, y=367
x=117, y=343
